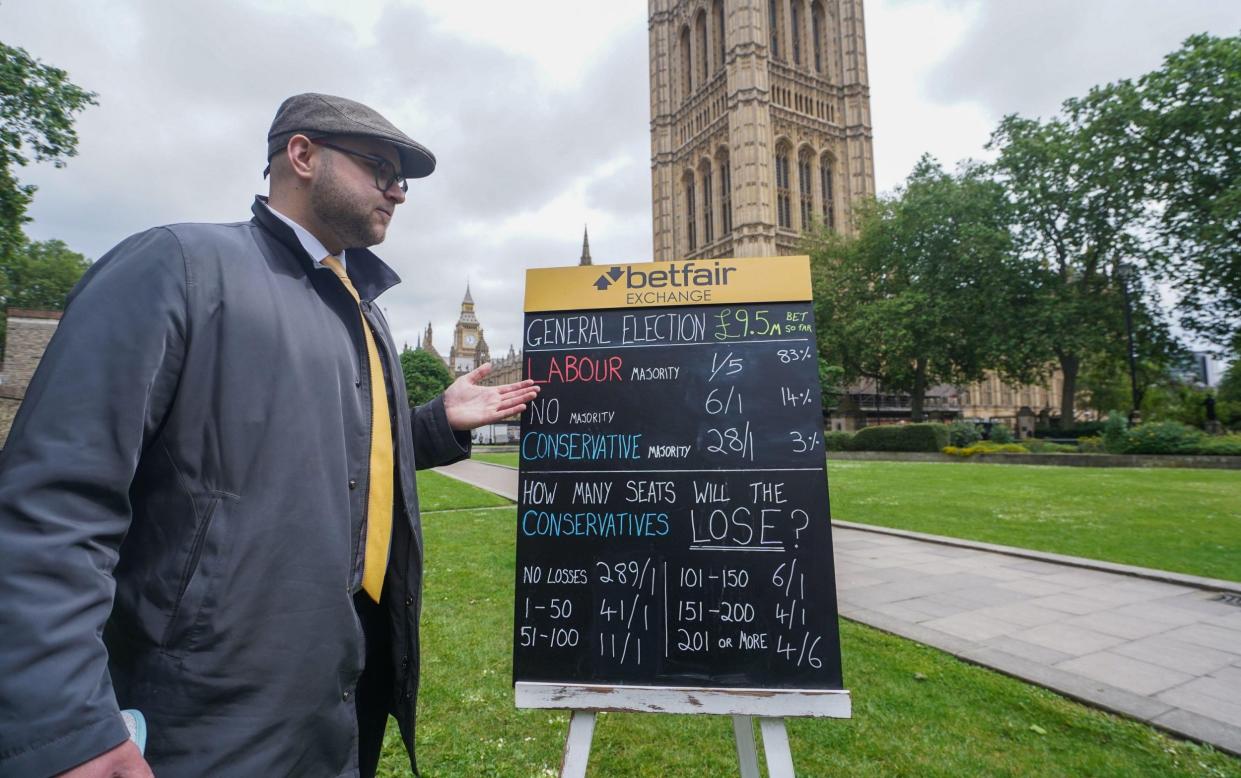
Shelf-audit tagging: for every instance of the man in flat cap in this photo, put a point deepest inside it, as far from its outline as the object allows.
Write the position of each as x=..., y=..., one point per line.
x=207, y=501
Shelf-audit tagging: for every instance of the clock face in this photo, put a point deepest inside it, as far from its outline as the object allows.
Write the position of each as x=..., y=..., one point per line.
x=469, y=340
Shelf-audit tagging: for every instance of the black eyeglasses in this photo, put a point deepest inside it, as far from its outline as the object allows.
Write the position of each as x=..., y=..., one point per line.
x=385, y=173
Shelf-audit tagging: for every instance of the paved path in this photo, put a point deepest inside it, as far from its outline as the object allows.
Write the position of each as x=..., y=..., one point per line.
x=1158, y=647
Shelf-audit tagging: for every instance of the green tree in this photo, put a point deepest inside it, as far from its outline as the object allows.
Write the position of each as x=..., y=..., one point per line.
x=1228, y=393
x=1229, y=388
x=425, y=375
x=1183, y=124
x=41, y=276
x=831, y=383
x=1105, y=381
x=1079, y=212
x=37, y=105
x=38, y=276
x=914, y=299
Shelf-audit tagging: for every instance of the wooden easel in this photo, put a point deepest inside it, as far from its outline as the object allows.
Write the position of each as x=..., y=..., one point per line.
x=769, y=706
x=775, y=746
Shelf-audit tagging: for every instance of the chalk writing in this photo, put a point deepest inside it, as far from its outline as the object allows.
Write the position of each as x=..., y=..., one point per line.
x=673, y=526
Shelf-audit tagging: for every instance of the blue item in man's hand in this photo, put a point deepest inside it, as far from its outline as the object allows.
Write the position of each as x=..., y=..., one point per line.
x=136, y=723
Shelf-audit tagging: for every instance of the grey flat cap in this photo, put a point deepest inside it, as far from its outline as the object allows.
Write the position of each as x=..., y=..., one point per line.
x=316, y=115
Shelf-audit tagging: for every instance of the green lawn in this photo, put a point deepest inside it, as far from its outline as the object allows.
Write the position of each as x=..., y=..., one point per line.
x=498, y=459
x=439, y=492
x=917, y=711
x=1187, y=521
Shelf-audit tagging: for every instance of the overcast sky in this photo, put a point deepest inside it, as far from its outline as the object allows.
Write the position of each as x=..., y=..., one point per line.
x=537, y=111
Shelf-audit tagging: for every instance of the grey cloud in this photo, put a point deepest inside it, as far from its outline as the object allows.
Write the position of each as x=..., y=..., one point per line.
x=187, y=93
x=626, y=191
x=1021, y=57
x=510, y=143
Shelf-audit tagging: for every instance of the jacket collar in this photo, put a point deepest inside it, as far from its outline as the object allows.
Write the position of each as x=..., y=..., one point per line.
x=369, y=274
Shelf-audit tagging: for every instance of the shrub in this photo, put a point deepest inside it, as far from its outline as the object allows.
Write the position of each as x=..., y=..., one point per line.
x=1222, y=445
x=837, y=441
x=1229, y=413
x=1059, y=448
x=904, y=437
x=1038, y=446
x=1090, y=444
x=963, y=433
x=986, y=447
x=1000, y=433
x=1114, y=433
x=1162, y=437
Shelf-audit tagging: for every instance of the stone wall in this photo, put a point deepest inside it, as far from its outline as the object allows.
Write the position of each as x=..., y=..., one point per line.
x=8, y=410
x=28, y=335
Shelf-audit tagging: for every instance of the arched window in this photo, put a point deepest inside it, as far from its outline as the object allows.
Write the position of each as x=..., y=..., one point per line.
x=690, y=210
x=795, y=16
x=708, y=202
x=717, y=11
x=816, y=34
x=805, y=185
x=702, y=51
x=773, y=21
x=687, y=72
x=784, y=209
x=825, y=186
x=726, y=194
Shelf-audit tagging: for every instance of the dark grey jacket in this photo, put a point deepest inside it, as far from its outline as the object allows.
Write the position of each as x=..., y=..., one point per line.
x=189, y=468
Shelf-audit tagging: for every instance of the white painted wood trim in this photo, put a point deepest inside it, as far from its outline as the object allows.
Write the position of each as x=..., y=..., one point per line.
x=674, y=699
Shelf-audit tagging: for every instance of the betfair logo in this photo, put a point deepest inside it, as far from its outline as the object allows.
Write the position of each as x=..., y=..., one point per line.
x=677, y=275
x=607, y=278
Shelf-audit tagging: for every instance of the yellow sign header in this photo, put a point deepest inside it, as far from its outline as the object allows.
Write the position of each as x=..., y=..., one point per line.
x=651, y=284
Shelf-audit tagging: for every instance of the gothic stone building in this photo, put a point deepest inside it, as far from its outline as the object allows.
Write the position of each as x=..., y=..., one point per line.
x=761, y=130
x=760, y=123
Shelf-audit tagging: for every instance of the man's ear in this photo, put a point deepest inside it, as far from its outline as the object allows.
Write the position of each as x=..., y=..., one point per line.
x=301, y=155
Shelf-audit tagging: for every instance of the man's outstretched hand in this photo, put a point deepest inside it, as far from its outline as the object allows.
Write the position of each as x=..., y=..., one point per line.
x=124, y=761
x=470, y=405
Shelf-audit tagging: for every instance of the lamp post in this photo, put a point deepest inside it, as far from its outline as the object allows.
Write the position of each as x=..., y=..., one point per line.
x=1127, y=273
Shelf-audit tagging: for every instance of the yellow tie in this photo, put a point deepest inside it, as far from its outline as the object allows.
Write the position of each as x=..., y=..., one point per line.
x=379, y=499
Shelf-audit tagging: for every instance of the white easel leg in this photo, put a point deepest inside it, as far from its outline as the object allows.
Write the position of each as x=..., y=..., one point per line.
x=747, y=755
x=577, y=744
x=776, y=747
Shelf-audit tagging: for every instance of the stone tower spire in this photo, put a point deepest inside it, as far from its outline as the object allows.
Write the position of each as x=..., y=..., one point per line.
x=760, y=123
x=585, y=260
x=467, y=338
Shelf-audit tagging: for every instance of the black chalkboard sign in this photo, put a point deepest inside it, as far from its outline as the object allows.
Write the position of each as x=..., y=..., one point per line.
x=673, y=523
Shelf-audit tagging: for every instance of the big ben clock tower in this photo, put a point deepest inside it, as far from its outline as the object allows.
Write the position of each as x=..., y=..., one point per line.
x=469, y=348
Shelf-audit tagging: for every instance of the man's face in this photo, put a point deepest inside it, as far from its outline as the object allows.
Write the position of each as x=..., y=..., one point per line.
x=344, y=196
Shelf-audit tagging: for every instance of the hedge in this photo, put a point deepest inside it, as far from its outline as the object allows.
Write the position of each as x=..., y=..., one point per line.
x=1169, y=437
x=837, y=441
x=1040, y=446
x=1162, y=437
x=1080, y=430
x=1224, y=445
x=901, y=437
x=986, y=447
